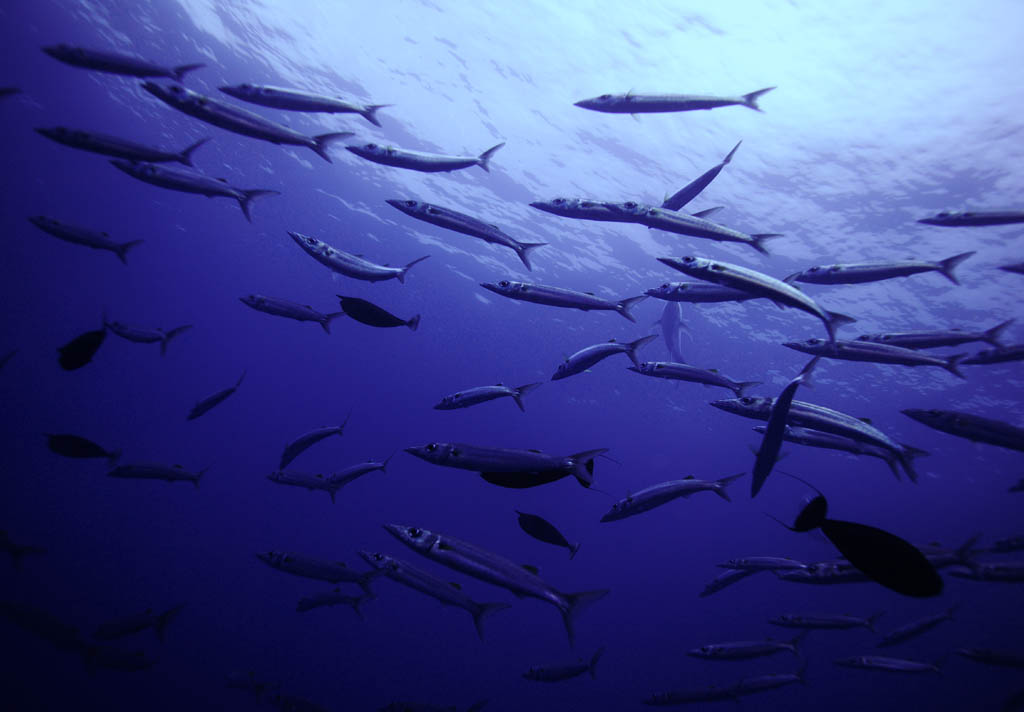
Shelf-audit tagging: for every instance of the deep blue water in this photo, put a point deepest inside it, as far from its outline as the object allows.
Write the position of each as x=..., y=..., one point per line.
x=882, y=115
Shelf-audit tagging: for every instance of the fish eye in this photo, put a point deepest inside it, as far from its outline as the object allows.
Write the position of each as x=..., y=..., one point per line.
x=814, y=269
x=604, y=97
x=664, y=286
x=371, y=146
x=378, y=557
x=746, y=400
x=944, y=214
x=414, y=532
x=689, y=259
x=245, y=87
x=814, y=341
x=176, y=89
x=886, y=337
x=559, y=201
x=310, y=240
x=717, y=267
x=630, y=204
x=410, y=203
x=431, y=447
x=503, y=283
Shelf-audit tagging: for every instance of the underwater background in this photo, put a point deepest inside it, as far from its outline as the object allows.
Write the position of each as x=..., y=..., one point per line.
x=885, y=112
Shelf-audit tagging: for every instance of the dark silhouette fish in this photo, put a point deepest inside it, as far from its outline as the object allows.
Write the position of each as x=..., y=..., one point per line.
x=543, y=530
x=80, y=350
x=216, y=399
x=69, y=445
x=974, y=218
x=8, y=91
x=631, y=103
x=690, y=191
x=83, y=236
x=372, y=315
x=118, y=147
x=970, y=426
x=767, y=454
x=1017, y=268
x=116, y=63
x=1001, y=354
x=295, y=100
x=526, y=479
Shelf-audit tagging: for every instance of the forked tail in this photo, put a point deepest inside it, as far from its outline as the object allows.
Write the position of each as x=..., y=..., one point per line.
x=401, y=275
x=321, y=142
x=484, y=611
x=370, y=113
x=523, y=249
x=947, y=266
x=185, y=156
x=180, y=71
x=576, y=603
x=122, y=249
x=484, y=159
x=250, y=195
x=625, y=306
x=751, y=98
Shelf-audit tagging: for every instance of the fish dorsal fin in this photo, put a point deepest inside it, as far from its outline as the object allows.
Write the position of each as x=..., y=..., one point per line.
x=689, y=477
x=865, y=420
x=499, y=384
x=454, y=585
x=319, y=476
x=533, y=450
x=611, y=340
x=532, y=569
x=443, y=546
x=223, y=180
x=713, y=370
x=590, y=293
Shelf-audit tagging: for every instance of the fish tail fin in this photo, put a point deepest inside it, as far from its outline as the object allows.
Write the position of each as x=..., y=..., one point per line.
x=623, y=307
x=728, y=158
x=328, y=318
x=114, y=456
x=170, y=335
x=947, y=266
x=906, y=457
x=893, y=463
x=740, y=388
x=720, y=485
x=370, y=113
x=333, y=491
x=181, y=70
x=484, y=159
x=357, y=604
x=992, y=335
x=321, y=142
x=250, y=195
x=797, y=639
x=122, y=249
x=573, y=548
x=635, y=346
x=872, y=619
x=414, y=322
x=401, y=275
x=199, y=476
x=583, y=465
x=952, y=364
x=517, y=396
x=760, y=238
x=836, y=320
x=366, y=579
x=484, y=611
x=165, y=618
x=751, y=98
x=592, y=667
x=185, y=156
x=577, y=603
x=523, y=250
x=966, y=551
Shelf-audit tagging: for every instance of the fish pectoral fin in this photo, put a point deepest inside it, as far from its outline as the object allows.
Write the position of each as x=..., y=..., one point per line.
x=532, y=569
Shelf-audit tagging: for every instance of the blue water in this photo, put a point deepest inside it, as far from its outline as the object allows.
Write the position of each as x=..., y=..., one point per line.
x=883, y=114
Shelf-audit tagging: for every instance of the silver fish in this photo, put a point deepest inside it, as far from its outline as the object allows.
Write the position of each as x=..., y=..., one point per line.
x=747, y=649
x=557, y=673
x=698, y=293
x=690, y=191
x=763, y=563
x=333, y=598
x=295, y=100
x=83, y=236
x=972, y=427
x=291, y=310
x=974, y=218
x=419, y=161
x=354, y=472
x=1000, y=658
x=305, y=441
x=870, y=352
x=724, y=580
x=560, y=297
x=585, y=358
x=671, y=323
x=826, y=622
x=631, y=103
x=348, y=264
x=206, y=404
x=145, y=336
x=823, y=574
x=700, y=694
x=929, y=339
x=583, y=209
x=829, y=441
x=112, y=630
x=308, y=567
x=482, y=394
x=116, y=63
x=305, y=480
x=1003, y=354
x=762, y=683
x=168, y=473
x=863, y=272
x=683, y=372
x=490, y=459
x=1011, y=572
x=118, y=147
x=875, y=662
x=659, y=494
x=915, y=628
x=690, y=225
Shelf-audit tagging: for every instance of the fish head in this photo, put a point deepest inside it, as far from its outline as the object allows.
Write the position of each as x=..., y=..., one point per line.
x=252, y=300
x=532, y=674
x=63, y=51
x=704, y=651
x=664, y=290
x=409, y=207
x=747, y=406
x=556, y=206
x=605, y=102
x=310, y=244
x=269, y=557
x=809, y=346
x=43, y=222
x=57, y=133
x=693, y=266
x=619, y=510
x=855, y=661
x=368, y=150
x=436, y=453
x=276, y=476
x=945, y=217
x=240, y=91
x=932, y=417
x=505, y=287
x=422, y=540
x=378, y=560
x=563, y=371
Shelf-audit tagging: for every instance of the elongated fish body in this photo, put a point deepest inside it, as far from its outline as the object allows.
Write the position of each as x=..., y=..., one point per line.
x=15, y=550
x=308, y=567
x=239, y=120
x=83, y=236
x=208, y=403
x=560, y=297
x=69, y=445
x=354, y=472
x=424, y=162
x=189, y=181
x=585, y=358
x=482, y=394
x=876, y=662
x=466, y=224
x=698, y=293
x=1001, y=573
x=295, y=100
x=825, y=622
x=9, y=91
x=543, y=530
x=700, y=694
x=684, y=372
x=307, y=440
x=303, y=479
x=915, y=628
x=583, y=209
x=497, y=460
x=129, y=625
x=672, y=326
x=764, y=563
x=974, y=218
x=823, y=574
x=118, y=147
x=972, y=427
x=988, y=656
x=44, y=624
x=116, y=63
x=1004, y=354
x=690, y=191
x=557, y=673
x=147, y=471
x=1016, y=268
x=492, y=568
x=658, y=103
x=724, y=580
x=863, y=272
x=763, y=683
x=768, y=452
x=690, y=225
x=347, y=264
x=829, y=441
x=372, y=315
x=745, y=650
x=758, y=284
x=146, y=336
x=447, y=593
x=1006, y=546
x=871, y=352
x=80, y=350
x=332, y=598
x=657, y=495
x=290, y=310
x=925, y=339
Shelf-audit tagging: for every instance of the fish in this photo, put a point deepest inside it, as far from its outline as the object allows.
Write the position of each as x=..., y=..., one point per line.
x=524, y=479
x=347, y=264
x=819, y=439
x=690, y=225
x=758, y=284
x=305, y=441
x=941, y=557
x=997, y=573
x=241, y=121
x=768, y=452
x=188, y=181
x=121, y=627
x=45, y=625
x=495, y=569
x=506, y=460
x=558, y=673
x=301, y=479
x=206, y=404
x=970, y=426
x=870, y=352
x=1006, y=546
x=447, y=593
x=659, y=494
x=723, y=580
x=1017, y=268
x=84, y=236
x=826, y=622
x=583, y=209
x=631, y=103
x=876, y=662
x=974, y=218
x=915, y=628
x=291, y=310
x=763, y=683
x=748, y=649
x=543, y=530
x=145, y=336
x=824, y=574
x=585, y=358
x=354, y=472
x=9, y=91
x=561, y=297
x=419, y=161
x=764, y=563
x=698, y=293
x=672, y=326
x=864, y=272
x=247, y=681
x=319, y=569
x=117, y=63
x=372, y=315
x=295, y=100
x=683, y=372
x=694, y=188
x=989, y=656
x=80, y=350
x=699, y=694
x=333, y=598
x=76, y=446
x=482, y=394
x=467, y=225
x=929, y=339
x=107, y=145
x=1002, y=354
x=15, y=550
x=153, y=471
x=816, y=417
